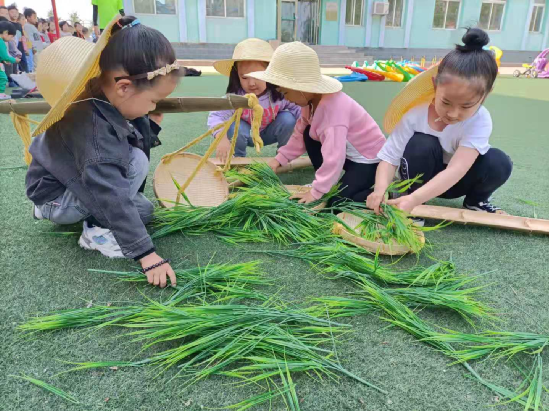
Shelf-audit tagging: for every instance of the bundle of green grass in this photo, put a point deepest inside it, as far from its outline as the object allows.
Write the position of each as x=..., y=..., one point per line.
x=263, y=211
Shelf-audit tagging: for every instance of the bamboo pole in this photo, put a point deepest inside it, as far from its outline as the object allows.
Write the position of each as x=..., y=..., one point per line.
x=508, y=222
x=167, y=105
x=297, y=164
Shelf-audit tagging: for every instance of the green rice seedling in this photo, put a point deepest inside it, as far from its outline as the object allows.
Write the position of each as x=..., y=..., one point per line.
x=258, y=214
x=532, y=386
x=451, y=295
x=494, y=344
x=391, y=226
x=226, y=281
x=340, y=306
x=341, y=259
x=96, y=316
x=54, y=390
x=223, y=339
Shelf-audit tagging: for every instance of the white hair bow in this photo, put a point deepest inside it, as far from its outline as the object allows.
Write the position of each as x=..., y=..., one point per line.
x=163, y=70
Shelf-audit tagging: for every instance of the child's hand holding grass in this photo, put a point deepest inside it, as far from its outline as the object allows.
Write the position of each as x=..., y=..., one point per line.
x=304, y=198
x=158, y=276
x=374, y=201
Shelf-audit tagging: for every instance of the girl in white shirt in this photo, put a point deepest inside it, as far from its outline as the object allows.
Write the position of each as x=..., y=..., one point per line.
x=446, y=138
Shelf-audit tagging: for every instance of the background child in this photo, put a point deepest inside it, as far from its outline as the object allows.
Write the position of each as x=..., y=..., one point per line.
x=52, y=32
x=280, y=115
x=33, y=34
x=336, y=132
x=91, y=165
x=78, y=27
x=7, y=33
x=446, y=139
x=87, y=35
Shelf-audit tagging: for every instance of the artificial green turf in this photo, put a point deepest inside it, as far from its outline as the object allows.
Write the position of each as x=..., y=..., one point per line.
x=41, y=273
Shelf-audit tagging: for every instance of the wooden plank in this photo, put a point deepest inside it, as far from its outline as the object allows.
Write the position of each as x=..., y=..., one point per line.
x=507, y=222
x=167, y=105
x=297, y=164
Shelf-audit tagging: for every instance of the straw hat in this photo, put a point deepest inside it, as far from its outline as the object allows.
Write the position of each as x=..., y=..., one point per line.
x=296, y=66
x=246, y=50
x=419, y=90
x=65, y=68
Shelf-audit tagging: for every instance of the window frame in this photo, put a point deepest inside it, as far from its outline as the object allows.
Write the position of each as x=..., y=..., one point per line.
x=446, y=15
x=493, y=2
x=353, y=14
x=225, y=16
x=535, y=11
x=155, y=13
x=394, y=13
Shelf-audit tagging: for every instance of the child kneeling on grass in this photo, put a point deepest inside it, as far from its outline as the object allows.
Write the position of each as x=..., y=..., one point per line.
x=92, y=160
x=279, y=116
x=444, y=136
x=336, y=131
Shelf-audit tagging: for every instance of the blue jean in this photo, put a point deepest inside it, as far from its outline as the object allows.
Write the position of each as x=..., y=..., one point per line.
x=68, y=209
x=30, y=62
x=279, y=131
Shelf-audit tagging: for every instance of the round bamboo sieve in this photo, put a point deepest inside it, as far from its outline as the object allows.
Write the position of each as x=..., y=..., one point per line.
x=372, y=246
x=209, y=188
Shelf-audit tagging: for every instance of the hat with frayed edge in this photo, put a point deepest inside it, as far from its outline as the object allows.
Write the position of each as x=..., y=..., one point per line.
x=419, y=90
x=247, y=50
x=64, y=69
x=296, y=66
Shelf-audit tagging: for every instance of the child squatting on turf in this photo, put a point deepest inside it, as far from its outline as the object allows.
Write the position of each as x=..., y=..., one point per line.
x=336, y=132
x=445, y=139
x=279, y=115
x=91, y=165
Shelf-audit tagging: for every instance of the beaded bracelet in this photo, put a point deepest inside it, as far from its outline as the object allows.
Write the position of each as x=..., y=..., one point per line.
x=152, y=267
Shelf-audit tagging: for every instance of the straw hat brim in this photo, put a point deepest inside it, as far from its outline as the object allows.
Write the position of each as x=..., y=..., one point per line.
x=225, y=66
x=89, y=69
x=419, y=90
x=326, y=84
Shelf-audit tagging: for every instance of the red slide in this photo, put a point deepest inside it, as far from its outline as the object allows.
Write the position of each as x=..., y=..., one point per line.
x=371, y=76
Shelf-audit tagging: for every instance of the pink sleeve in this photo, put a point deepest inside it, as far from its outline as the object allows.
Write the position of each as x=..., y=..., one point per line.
x=295, y=146
x=334, y=149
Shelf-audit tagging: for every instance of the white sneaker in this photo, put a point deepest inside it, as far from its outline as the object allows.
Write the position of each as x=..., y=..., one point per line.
x=100, y=239
x=37, y=214
x=4, y=96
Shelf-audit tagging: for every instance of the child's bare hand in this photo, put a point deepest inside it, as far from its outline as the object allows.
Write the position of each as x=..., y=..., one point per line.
x=304, y=198
x=223, y=149
x=158, y=276
x=274, y=164
x=374, y=201
x=17, y=60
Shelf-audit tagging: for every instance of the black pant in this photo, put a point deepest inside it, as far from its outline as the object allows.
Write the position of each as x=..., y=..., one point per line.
x=23, y=63
x=358, y=180
x=423, y=155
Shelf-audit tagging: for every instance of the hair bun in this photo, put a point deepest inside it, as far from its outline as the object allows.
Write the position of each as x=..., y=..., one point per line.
x=121, y=23
x=474, y=39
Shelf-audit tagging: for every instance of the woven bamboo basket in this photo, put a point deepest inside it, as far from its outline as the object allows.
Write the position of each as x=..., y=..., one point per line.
x=209, y=188
x=372, y=246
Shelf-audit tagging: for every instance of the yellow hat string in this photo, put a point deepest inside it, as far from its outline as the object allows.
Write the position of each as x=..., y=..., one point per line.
x=21, y=123
x=257, y=117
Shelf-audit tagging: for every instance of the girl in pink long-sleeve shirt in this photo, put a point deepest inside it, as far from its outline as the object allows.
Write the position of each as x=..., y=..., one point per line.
x=336, y=131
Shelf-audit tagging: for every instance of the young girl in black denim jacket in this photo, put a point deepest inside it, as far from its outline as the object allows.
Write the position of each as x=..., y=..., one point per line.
x=92, y=164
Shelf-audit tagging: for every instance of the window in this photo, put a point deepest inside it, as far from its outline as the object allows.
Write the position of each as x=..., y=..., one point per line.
x=225, y=8
x=491, y=14
x=353, y=15
x=154, y=6
x=537, y=16
x=446, y=14
x=394, y=18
